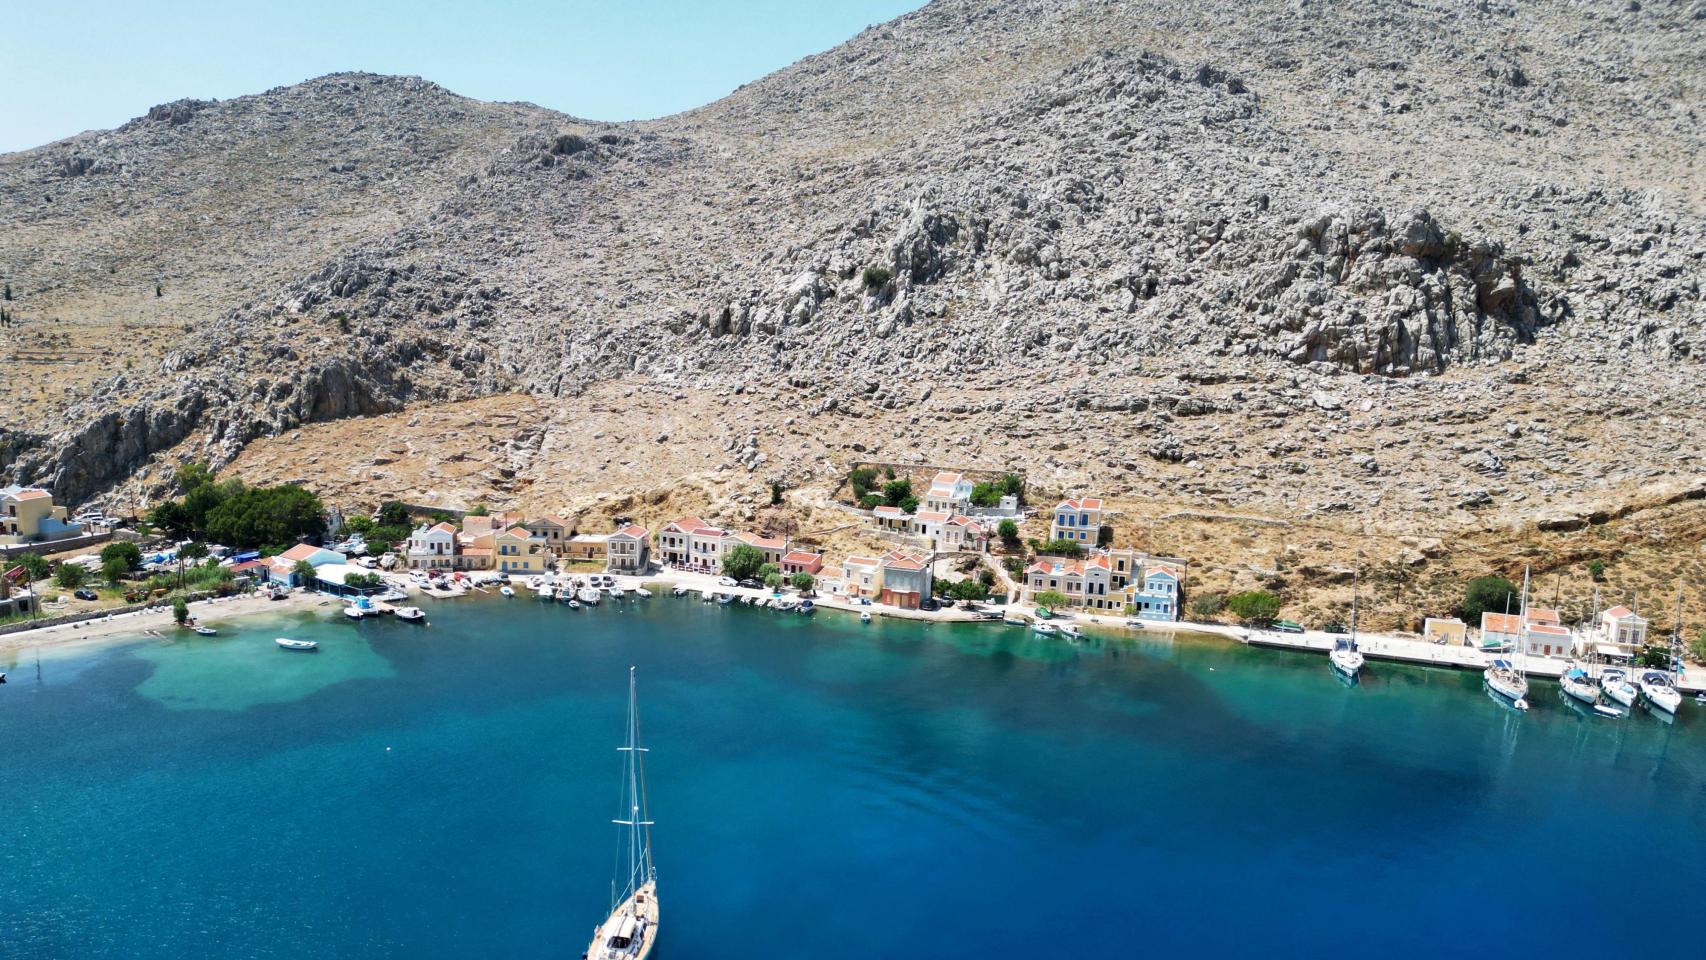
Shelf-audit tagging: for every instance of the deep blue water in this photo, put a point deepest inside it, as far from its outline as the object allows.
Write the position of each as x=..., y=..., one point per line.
x=823, y=789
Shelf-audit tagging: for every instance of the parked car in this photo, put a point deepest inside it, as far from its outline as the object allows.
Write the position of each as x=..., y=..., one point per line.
x=928, y=606
x=727, y=582
x=750, y=584
x=86, y=594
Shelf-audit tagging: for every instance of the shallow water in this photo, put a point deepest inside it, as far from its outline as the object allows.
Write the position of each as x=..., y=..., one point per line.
x=823, y=788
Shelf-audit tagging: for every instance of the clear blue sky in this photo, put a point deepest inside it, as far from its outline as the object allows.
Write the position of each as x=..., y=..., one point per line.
x=94, y=64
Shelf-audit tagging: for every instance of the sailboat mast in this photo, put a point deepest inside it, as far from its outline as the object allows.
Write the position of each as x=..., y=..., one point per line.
x=1522, y=629
x=1676, y=632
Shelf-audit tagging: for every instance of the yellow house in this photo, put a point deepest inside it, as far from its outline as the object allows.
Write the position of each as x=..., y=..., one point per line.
x=1447, y=630
x=587, y=547
x=27, y=515
x=517, y=551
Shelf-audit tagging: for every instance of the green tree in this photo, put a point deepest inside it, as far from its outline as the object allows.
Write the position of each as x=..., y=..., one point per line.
x=897, y=491
x=875, y=278
x=743, y=561
x=765, y=571
x=775, y=493
x=122, y=550
x=1256, y=607
x=180, y=611
x=393, y=513
x=803, y=581
x=1596, y=570
x=69, y=576
x=114, y=569
x=969, y=589
x=1008, y=531
x=773, y=581
x=360, y=524
x=480, y=510
x=985, y=494
x=35, y=567
x=1051, y=599
x=909, y=505
x=259, y=515
x=870, y=501
x=1487, y=595
x=1012, y=486
x=1207, y=606
x=304, y=572
x=1655, y=656
x=863, y=480
x=1065, y=548
x=194, y=550
x=8, y=292
x=1104, y=535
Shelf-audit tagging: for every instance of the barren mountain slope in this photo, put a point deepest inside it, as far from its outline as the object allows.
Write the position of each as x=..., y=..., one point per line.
x=1430, y=267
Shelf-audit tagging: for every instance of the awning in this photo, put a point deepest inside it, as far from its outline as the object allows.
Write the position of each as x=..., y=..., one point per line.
x=1611, y=651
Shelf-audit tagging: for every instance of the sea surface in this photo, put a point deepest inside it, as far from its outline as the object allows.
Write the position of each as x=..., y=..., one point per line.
x=822, y=789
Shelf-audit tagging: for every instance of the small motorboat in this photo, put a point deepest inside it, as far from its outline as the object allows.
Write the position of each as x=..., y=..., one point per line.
x=588, y=596
x=785, y=604
x=679, y=590
x=354, y=612
x=206, y=631
x=290, y=644
x=1013, y=620
x=1046, y=629
x=1070, y=630
x=547, y=593
x=806, y=607
x=1134, y=623
x=1700, y=697
x=642, y=592
x=616, y=593
x=507, y=590
x=725, y=598
x=574, y=604
x=411, y=614
x=864, y=616
x=706, y=596
x=1607, y=710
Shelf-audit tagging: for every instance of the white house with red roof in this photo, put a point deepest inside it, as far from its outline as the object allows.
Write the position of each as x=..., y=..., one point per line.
x=1084, y=583
x=862, y=577
x=675, y=546
x=432, y=547
x=906, y=579
x=1620, y=634
x=892, y=518
x=949, y=493
x=1076, y=520
x=629, y=550
x=706, y=546
x=961, y=533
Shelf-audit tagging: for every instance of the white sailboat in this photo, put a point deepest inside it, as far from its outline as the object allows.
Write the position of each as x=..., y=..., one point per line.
x=1614, y=683
x=1656, y=685
x=1345, y=658
x=1579, y=686
x=1502, y=677
x=632, y=926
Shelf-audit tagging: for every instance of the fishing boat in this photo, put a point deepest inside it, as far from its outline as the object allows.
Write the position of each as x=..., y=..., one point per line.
x=1045, y=629
x=707, y=596
x=864, y=616
x=1345, y=659
x=354, y=612
x=1134, y=623
x=1614, y=683
x=290, y=644
x=1579, y=686
x=588, y=596
x=1070, y=630
x=616, y=593
x=507, y=590
x=785, y=604
x=806, y=607
x=1013, y=620
x=205, y=631
x=411, y=614
x=547, y=593
x=631, y=928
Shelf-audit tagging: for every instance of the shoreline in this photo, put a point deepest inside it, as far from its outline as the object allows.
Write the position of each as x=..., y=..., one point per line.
x=158, y=623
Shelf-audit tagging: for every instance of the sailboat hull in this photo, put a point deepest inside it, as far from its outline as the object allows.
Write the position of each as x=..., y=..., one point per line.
x=642, y=909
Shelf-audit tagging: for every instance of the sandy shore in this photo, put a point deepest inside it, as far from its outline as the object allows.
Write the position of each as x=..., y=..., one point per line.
x=130, y=626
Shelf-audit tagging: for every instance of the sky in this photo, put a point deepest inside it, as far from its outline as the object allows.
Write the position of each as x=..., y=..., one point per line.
x=71, y=67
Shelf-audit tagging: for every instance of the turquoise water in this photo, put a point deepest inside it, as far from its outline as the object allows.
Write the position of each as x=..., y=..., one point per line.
x=823, y=789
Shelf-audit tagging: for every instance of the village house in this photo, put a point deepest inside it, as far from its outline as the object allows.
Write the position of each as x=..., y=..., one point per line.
x=772, y=547
x=801, y=561
x=282, y=568
x=1076, y=520
x=28, y=515
x=432, y=548
x=1621, y=634
x=1447, y=630
x=962, y=533
x=629, y=550
x=586, y=548
x=516, y=551
x=706, y=546
x=949, y=493
x=674, y=541
x=928, y=524
x=1084, y=583
x=862, y=577
x=477, y=525
x=1141, y=586
x=892, y=518
x=554, y=530
x=906, y=579
x=1155, y=594
x=1500, y=631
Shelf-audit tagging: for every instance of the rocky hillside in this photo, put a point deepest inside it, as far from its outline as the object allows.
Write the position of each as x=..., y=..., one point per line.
x=1437, y=258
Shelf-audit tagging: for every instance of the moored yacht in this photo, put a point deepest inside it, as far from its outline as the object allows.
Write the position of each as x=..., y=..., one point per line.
x=1614, y=683
x=632, y=926
x=1345, y=658
x=1579, y=686
x=1657, y=690
x=1506, y=681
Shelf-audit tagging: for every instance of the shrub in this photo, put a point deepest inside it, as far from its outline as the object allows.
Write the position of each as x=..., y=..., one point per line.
x=1487, y=595
x=1207, y=606
x=870, y=501
x=765, y=571
x=863, y=480
x=480, y=510
x=1008, y=531
x=394, y=513
x=985, y=495
x=1066, y=548
x=304, y=571
x=987, y=578
x=360, y=524
x=743, y=562
x=774, y=581
x=180, y=610
x=1051, y=598
x=363, y=580
x=1104, y=535
x=969, y=590
x=1015, y=567
x=896, y=491
x=1596, y=570
x=36, y=567
x=1654, y=655
x=775, y=493
x=803, y=581
x=68, y=576
x=1697, y=648
x=909, y=504
x=194, y=550
x=114, y=570
x=388, y=533
x=1256, y=607
x=875, y=278
x=123, y=551
x=1012, y=486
